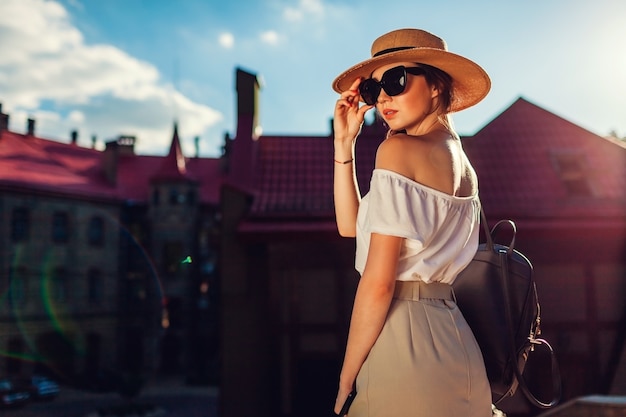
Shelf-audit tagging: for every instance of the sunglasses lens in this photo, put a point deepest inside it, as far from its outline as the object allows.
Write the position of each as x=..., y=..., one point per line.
x=369, y=90
x=394, y=81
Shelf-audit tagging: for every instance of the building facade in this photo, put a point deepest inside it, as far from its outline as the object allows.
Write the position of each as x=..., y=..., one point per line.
x=108, y=261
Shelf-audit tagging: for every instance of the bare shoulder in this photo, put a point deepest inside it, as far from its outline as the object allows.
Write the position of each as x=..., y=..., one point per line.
x=401, y=153
x=436, y=160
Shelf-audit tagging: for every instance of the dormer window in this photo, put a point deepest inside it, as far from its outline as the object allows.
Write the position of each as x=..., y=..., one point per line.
x=573, y=172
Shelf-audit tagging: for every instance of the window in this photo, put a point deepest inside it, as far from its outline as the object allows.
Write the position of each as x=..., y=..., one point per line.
x=20, y=224
x=60, y=227
x=95, y=231
x=571, y=167
x=95, y=288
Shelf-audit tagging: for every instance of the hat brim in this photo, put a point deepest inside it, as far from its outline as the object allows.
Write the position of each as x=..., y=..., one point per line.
x=470, y=83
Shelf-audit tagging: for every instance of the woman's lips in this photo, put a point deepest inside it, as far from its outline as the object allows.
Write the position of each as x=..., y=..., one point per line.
x=387, y=113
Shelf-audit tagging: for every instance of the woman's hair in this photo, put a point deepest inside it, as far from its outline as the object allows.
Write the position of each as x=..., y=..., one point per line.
x=443, y=83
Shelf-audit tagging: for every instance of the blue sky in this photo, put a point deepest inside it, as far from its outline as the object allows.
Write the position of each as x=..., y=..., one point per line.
x=110, y=67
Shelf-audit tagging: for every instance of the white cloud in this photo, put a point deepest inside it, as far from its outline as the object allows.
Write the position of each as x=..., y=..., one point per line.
x=76, y=116
x=270, y=37
x=97, y=88
x=304, y=9
x=227, y=40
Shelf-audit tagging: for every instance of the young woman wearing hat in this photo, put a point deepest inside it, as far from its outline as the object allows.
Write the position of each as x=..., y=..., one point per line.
x=410, y=351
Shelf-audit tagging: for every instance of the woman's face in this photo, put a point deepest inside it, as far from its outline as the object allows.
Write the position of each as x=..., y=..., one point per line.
x=409, y=109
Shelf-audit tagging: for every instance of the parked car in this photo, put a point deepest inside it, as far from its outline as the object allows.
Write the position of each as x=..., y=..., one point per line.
x=40, y=387
x=11, y=395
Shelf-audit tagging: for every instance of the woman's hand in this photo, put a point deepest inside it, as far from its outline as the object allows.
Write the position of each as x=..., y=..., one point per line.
x=342, y=395
x=348, y=115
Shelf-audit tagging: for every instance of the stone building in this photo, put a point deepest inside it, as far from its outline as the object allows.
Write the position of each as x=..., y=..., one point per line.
x=107, y=260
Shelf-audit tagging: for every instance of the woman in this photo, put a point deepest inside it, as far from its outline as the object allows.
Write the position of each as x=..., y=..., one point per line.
x=409, y=350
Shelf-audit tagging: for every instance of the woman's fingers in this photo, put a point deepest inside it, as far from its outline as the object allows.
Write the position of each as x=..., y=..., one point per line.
x=341, y=398
x=349, y=114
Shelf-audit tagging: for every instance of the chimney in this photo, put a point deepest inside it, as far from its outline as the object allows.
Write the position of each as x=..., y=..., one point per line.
x=126, y=145
x=4, y=120
x=94, y=140
x=30, y=126
x=109, y=161
x=74, y=136
x=242, y=153
x=248, y=88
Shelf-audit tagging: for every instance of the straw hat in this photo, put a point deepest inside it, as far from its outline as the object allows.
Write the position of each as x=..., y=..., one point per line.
x=470, y=83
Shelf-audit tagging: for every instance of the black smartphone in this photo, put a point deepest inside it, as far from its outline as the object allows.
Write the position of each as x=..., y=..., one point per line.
x=347, y=404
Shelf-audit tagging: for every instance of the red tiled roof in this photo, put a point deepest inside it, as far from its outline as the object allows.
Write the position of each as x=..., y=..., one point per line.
x=43, y=165
x=516, y=158
x=295, y=174
x=49, y=166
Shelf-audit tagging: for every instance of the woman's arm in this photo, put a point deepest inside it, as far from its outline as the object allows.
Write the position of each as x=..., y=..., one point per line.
x=347, y=123
x=346, y=193
x=371, y=306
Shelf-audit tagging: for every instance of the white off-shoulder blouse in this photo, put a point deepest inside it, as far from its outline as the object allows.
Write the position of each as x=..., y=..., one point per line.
x=440, y=231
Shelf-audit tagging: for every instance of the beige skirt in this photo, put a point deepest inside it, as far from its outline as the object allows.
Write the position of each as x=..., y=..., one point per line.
x=425, y=362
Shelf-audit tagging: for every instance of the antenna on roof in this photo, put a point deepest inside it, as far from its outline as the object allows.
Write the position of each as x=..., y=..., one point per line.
x=175, y=82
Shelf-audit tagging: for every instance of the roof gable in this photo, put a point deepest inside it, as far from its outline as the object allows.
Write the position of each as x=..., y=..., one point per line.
x=532, y=163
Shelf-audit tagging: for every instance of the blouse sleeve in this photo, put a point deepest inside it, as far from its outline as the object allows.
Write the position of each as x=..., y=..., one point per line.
x=398, y=208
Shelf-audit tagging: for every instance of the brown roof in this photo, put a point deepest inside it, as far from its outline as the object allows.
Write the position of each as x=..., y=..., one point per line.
x=534, y=164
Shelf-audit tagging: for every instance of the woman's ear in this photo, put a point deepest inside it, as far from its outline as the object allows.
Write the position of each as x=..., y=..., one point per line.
x=434, y=92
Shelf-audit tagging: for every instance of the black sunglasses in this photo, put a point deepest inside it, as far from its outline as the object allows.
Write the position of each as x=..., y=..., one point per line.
x=393, y=82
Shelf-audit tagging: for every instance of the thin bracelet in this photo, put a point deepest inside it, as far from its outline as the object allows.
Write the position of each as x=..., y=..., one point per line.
x=345, y=162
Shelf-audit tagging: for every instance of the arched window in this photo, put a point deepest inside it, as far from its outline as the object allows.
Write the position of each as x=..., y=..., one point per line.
x=95, y=231
x=20, y=224
x=60, y=227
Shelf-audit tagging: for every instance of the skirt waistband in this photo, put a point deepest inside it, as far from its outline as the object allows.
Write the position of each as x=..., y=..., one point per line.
x=418, y=290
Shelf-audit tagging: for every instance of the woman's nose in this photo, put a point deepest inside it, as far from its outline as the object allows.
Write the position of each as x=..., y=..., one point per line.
x=382, y=97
